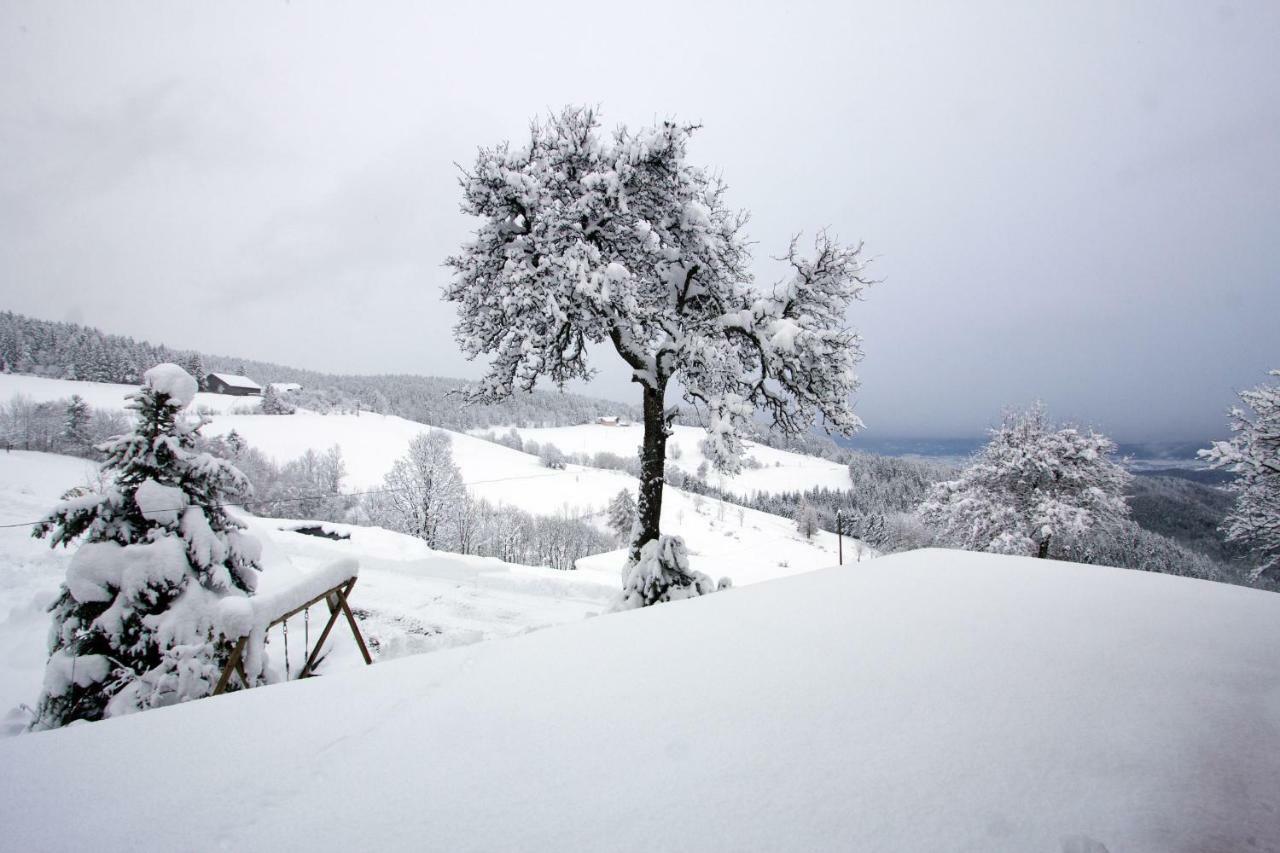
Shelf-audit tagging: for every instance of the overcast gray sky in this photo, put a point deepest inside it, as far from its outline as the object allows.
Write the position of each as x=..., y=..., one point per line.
x=1073, y=201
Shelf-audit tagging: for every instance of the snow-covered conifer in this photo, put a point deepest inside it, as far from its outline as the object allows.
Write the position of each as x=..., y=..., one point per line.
x=622, y=513
x=135, y=625
x=587, y=239
x=1030, y=483
x=76, y=436
x=1253, y=453
x=662, y=574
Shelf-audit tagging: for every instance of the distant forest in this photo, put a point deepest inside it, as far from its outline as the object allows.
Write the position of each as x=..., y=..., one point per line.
x=72, y=351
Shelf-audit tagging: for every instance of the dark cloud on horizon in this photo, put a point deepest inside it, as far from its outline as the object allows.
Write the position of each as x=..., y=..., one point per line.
x=1077, y=203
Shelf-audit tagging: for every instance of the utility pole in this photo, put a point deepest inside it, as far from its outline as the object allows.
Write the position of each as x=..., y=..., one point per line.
x=840, y=535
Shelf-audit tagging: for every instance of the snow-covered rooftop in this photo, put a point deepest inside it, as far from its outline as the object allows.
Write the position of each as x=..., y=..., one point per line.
x=934, y=700
x=237, y=381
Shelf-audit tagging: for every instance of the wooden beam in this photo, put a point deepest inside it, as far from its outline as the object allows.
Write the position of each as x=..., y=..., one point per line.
x=232, y=663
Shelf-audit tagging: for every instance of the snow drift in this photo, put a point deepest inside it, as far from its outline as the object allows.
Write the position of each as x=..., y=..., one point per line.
x=927, y=701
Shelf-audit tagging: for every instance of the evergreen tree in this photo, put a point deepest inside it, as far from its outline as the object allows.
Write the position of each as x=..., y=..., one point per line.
x=622, y=514
x=76, y=437
x=135, y=624
x=1030, y=484
x=1253, y=453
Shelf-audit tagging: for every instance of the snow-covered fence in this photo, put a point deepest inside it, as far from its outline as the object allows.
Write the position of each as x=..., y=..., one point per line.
x=249, y=619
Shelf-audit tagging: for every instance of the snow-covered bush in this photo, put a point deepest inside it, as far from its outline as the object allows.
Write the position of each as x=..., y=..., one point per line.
x=1253, y=453
x=135, y=625
x=1030, y=483
x=662, y=574
x=273, y=402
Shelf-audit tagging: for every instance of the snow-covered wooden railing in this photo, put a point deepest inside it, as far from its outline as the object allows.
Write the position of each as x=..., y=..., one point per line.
x=249, y=619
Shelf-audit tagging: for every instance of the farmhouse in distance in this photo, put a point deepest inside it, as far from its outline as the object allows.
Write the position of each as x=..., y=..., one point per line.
x=230, y=383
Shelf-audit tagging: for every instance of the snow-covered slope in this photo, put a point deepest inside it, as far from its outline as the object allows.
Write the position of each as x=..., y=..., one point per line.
x=925, y=701
x=410, y=598
x=104, y=395
x=725, y=541
x=746, y=546
x=778, y=471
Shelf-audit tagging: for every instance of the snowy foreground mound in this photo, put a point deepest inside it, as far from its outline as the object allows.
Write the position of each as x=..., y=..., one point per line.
x=926, y=701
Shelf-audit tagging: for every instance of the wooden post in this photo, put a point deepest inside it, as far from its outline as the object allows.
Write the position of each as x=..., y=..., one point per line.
x=840, y=535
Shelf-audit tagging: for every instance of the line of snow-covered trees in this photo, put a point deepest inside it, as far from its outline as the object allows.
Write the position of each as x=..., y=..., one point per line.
x=71, y=351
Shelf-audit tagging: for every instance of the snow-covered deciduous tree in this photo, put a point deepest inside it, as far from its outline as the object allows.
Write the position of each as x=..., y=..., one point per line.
x=806, y=519
x=621, y=514
x=619, y=240
x=422, y=490
x=273, y=402
x=1253, y=453
x=1031, y=482
x=135, y=625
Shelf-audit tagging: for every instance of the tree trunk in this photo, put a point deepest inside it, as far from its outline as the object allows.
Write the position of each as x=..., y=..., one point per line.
x=1044, y=548
x=653, y=460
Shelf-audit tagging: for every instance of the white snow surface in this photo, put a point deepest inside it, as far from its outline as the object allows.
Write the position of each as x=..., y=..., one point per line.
x=746, y=546
x=409, y=599
x=170, y=379
x=105, y=395
x=933, y=700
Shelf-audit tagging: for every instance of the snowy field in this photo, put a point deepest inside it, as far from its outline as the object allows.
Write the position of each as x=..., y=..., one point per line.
x=934, y=700
x=104, y=395
x=410, y=599
x=779, y=471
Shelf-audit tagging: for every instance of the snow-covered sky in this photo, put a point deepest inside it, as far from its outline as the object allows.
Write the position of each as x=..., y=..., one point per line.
x=1075, y=201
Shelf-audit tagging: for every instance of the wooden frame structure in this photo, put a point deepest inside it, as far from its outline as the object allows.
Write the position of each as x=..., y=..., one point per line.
x=336, y=599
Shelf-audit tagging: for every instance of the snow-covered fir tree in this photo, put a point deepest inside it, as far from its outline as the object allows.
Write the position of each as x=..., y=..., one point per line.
x=422, y=490
x=76, y=434
x=1253, y=454
x=621, y=514
x=1030, y=484
x=619, y=240
x=135, y=624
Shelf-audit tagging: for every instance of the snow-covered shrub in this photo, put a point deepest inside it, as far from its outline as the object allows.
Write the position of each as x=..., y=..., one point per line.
x=662, y=574
x=1253, y=453
x=552, y=457
x=1030, y=483
x=135, y=625
x=273, y=402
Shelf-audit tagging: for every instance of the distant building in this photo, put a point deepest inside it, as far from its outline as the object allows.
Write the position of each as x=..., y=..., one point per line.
x=286, y=387
x=229, y=383
x=607, y=420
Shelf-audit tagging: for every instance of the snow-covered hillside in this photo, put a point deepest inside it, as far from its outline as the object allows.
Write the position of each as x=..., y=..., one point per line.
x=926, y=701
x=410, y=598
x=725, y=541
x=103, y=395
x=778, y=471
